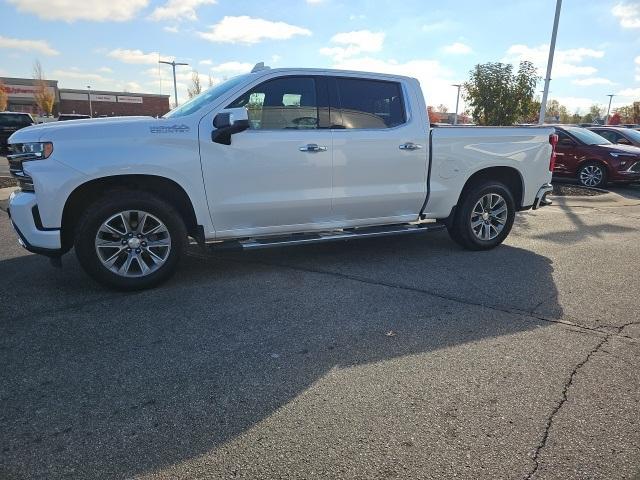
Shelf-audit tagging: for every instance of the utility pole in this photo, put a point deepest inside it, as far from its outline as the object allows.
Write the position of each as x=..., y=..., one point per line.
x=455, y=117
x=90, y=106
x=173, y=63
x=552, y=49
x=606, y=120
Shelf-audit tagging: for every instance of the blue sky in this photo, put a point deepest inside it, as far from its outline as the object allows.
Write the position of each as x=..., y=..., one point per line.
x=115, y=44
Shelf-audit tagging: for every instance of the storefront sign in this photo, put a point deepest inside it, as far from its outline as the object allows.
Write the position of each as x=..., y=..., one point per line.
x=74, y=96
x=96, y=97
x=25, y=91
x=127, y=99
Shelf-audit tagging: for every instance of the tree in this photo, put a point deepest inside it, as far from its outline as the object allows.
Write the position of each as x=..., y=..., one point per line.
x=497, y=96
x=557, y=112
x=614, y=119
x=210, y=81
x=44, y=96
x=595, y=114
x=4, y=98
x=626, y=113
x=196, y=86
x=442, y=108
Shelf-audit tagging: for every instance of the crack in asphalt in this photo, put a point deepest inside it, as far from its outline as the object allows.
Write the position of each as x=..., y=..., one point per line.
x=565, y=395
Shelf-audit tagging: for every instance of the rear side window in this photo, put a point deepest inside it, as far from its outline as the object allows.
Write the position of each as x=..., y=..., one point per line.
x=370, y=103
x=281, y=103
x=610, y=135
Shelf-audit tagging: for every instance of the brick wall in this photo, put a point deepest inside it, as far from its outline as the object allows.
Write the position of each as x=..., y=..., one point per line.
x=153, y=106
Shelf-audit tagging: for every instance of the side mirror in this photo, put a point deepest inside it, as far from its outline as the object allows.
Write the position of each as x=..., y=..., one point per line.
x=566, y=142
x=228, y=122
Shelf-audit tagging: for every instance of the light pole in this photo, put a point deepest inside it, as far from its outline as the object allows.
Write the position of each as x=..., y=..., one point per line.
x=611, y=95
x=90, y=106
x=455, y=116
x=173, y=63
x=552, y=48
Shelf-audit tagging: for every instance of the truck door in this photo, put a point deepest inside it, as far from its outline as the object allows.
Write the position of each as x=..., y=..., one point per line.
x=277, y=174
x=380, y=151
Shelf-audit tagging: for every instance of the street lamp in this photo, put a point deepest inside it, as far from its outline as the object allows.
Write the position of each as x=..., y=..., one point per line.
x=175, y=88
x=90, y=106
x=455, y=117
x=552, y=48
x=611, y=95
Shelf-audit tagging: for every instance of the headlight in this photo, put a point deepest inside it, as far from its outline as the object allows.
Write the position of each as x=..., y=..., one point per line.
x=622, y=154
x=40, y=150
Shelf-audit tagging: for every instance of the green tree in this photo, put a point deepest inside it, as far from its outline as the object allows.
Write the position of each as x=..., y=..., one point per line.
x=557, y=112
x=626, y=113
x=498, y=96
x=4, y=98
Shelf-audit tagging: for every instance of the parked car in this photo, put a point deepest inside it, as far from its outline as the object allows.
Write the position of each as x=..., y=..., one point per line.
x=11, y=122
x=269, y=158
x=619, y=135
x=593, y=160
x=71, y=116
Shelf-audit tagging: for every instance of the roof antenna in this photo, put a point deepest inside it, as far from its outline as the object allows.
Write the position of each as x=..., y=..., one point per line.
x=259, y=66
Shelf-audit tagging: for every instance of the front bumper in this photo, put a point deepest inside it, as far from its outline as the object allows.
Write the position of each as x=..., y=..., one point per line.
x=541, y=196
x=23, y=212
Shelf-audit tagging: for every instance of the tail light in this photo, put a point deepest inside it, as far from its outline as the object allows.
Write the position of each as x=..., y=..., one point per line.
x=553, y=140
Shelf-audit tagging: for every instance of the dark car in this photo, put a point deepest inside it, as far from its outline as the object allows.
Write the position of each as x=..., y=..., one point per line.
x=619, y=135
x=72, y=116
x=593, y=160
x=11, y=122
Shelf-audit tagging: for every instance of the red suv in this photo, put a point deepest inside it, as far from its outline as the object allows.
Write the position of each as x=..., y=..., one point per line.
x=593, y=160
x=619, y=135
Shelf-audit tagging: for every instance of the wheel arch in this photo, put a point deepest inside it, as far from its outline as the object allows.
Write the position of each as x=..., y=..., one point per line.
x=509, y=176
x=92, y=190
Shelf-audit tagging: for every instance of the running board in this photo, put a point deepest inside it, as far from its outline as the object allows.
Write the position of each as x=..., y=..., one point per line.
x=333, y=236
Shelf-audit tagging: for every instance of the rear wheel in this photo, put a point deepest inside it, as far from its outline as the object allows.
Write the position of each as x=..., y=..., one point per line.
x=484, y=216
x=592, y=174
x=130, y=240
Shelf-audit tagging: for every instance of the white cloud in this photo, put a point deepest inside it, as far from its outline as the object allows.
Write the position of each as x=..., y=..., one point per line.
x=179, y=10
x=576, y=104
x=205, y=62
x=136, y=56
x=314, y=2
x=438, y=26
x=354, y=43
x=566, y=63
x=360, y=16
x=171, y=29
x=628, y=14
x=637, y=62
x=457, y=48
x=76, y=74
x=71, y=10
x=248, y=30
x=630, y=92
x=228, y=68
x=105, y=70
x=587, y=82
x=131, y=87
x=434, y=78
x=27, y=45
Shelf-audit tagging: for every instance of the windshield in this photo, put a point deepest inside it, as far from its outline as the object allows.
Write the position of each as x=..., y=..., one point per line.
x=206, y=97
x=587, y=136
x=9, y=119
x=632, y=134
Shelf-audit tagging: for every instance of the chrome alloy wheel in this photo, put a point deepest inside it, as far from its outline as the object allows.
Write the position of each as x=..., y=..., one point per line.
x=591, y=175
x=489, y=216
x=133, y=243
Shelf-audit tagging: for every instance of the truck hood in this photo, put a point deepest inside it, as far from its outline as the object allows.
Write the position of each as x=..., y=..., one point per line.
x=90, y=128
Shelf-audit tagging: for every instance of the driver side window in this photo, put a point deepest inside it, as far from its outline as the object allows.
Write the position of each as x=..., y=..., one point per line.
x=281, y=103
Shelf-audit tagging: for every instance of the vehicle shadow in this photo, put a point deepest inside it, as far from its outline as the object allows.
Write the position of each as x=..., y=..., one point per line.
x=109, y=385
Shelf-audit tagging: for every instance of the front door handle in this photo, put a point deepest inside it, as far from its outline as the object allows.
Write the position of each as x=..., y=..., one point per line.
x=410, y=146
x=312, y=147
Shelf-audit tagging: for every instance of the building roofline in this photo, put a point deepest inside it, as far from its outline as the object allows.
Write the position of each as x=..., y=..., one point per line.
x=109, y=92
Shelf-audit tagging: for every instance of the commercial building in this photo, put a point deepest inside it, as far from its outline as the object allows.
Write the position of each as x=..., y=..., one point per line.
x=21, y=93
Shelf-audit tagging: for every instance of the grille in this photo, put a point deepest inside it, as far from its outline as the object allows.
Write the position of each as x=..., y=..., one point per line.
x=635, y=167
x=15, y=159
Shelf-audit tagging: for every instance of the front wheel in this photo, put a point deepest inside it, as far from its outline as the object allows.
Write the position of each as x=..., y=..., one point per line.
x=484, y=216
x=592, y=175
x=130, y=240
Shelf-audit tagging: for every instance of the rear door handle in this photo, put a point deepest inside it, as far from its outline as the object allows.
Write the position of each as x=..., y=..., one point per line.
x=312, y=147
x=410, y=146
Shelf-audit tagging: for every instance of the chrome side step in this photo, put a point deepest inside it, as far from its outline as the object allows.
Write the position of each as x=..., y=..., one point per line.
x=333, y=236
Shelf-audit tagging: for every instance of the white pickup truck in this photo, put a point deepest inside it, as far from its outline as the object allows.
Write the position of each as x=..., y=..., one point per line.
x=270, y=158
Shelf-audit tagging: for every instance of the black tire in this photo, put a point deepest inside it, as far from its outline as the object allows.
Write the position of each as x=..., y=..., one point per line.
x=460, y=228
x=111, y=204
x=583, y=177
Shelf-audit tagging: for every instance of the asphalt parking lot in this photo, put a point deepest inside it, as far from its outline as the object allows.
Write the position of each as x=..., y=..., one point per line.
x=388, y=358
